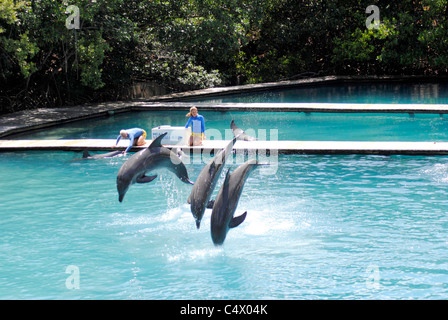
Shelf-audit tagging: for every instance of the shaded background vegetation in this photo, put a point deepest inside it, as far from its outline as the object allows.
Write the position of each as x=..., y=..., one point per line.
x=192, y=44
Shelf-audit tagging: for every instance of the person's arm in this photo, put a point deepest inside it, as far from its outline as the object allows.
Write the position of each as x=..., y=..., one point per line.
x=188, y=122
x=118, y=140
x=131, y=138
x=202, y=125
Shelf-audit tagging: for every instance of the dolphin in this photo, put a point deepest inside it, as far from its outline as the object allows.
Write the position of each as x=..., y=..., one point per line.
x=237, y=132
x=226, y=201
x=87, y=155
x=135, y=168
x=205, y=183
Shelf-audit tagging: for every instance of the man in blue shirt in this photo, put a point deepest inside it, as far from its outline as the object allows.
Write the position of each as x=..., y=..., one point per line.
x=136, y=136
x=197, y=127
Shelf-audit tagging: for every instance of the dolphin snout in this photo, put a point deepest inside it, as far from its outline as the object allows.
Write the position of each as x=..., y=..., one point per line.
x=185, y=179
x=122, y=187
x=121, y=193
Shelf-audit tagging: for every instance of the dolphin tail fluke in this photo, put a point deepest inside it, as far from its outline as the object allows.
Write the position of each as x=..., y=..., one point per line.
x=240, y=134
x=86, y=154
x=236, y=221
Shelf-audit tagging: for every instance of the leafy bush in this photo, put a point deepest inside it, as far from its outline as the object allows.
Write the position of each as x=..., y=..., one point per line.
x=191, y=44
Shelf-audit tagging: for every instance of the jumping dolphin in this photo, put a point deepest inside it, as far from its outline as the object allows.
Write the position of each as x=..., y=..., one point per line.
x=237, y=132
x=205, y=183
x=227, y=200
x=155, y=156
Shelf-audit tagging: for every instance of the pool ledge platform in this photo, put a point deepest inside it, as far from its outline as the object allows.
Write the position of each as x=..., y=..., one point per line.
x=267, y=148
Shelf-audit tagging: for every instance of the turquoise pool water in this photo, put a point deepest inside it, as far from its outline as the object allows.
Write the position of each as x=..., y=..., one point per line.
x=321, y=227
x=267, y=126
x=373, y=92
x=318, y=227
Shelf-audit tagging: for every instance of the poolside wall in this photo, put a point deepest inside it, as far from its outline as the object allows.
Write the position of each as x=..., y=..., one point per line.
x=45, y=117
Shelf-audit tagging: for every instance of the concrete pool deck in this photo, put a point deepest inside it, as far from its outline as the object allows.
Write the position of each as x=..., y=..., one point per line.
x=267, y=148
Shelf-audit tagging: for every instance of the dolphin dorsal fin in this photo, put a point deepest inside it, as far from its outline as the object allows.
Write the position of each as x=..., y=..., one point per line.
x=235, y=222
x=157, y=142
x=86, y=154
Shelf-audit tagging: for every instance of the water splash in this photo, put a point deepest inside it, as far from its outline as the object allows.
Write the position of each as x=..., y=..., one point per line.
x=437, y=172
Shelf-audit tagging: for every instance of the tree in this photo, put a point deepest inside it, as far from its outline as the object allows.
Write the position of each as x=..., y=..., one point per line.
x=190, y=44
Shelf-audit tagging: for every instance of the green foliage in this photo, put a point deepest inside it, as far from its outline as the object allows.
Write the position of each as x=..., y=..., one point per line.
x=8, y=12
x=190, y=44
x=20, y=52
x=91, y=55
x=363, y=47
x=412, y=39
x=180, y=71
x=16, y=48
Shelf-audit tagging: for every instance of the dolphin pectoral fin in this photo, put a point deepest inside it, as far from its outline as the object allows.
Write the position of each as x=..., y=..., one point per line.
x=235, y=222
x=212, y=169
x=145, y=179
x=210, y=204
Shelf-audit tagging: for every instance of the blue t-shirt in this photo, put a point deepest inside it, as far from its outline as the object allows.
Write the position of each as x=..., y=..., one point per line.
x=133, y=134
x=197, y=124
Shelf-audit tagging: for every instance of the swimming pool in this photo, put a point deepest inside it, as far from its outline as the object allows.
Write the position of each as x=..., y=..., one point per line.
x=412, y=92
x=322, y=227
x=318, y=227
x=266, y=126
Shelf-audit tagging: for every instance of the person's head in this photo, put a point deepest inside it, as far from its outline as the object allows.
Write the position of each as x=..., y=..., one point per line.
x=123, y=133
x=193, y=112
